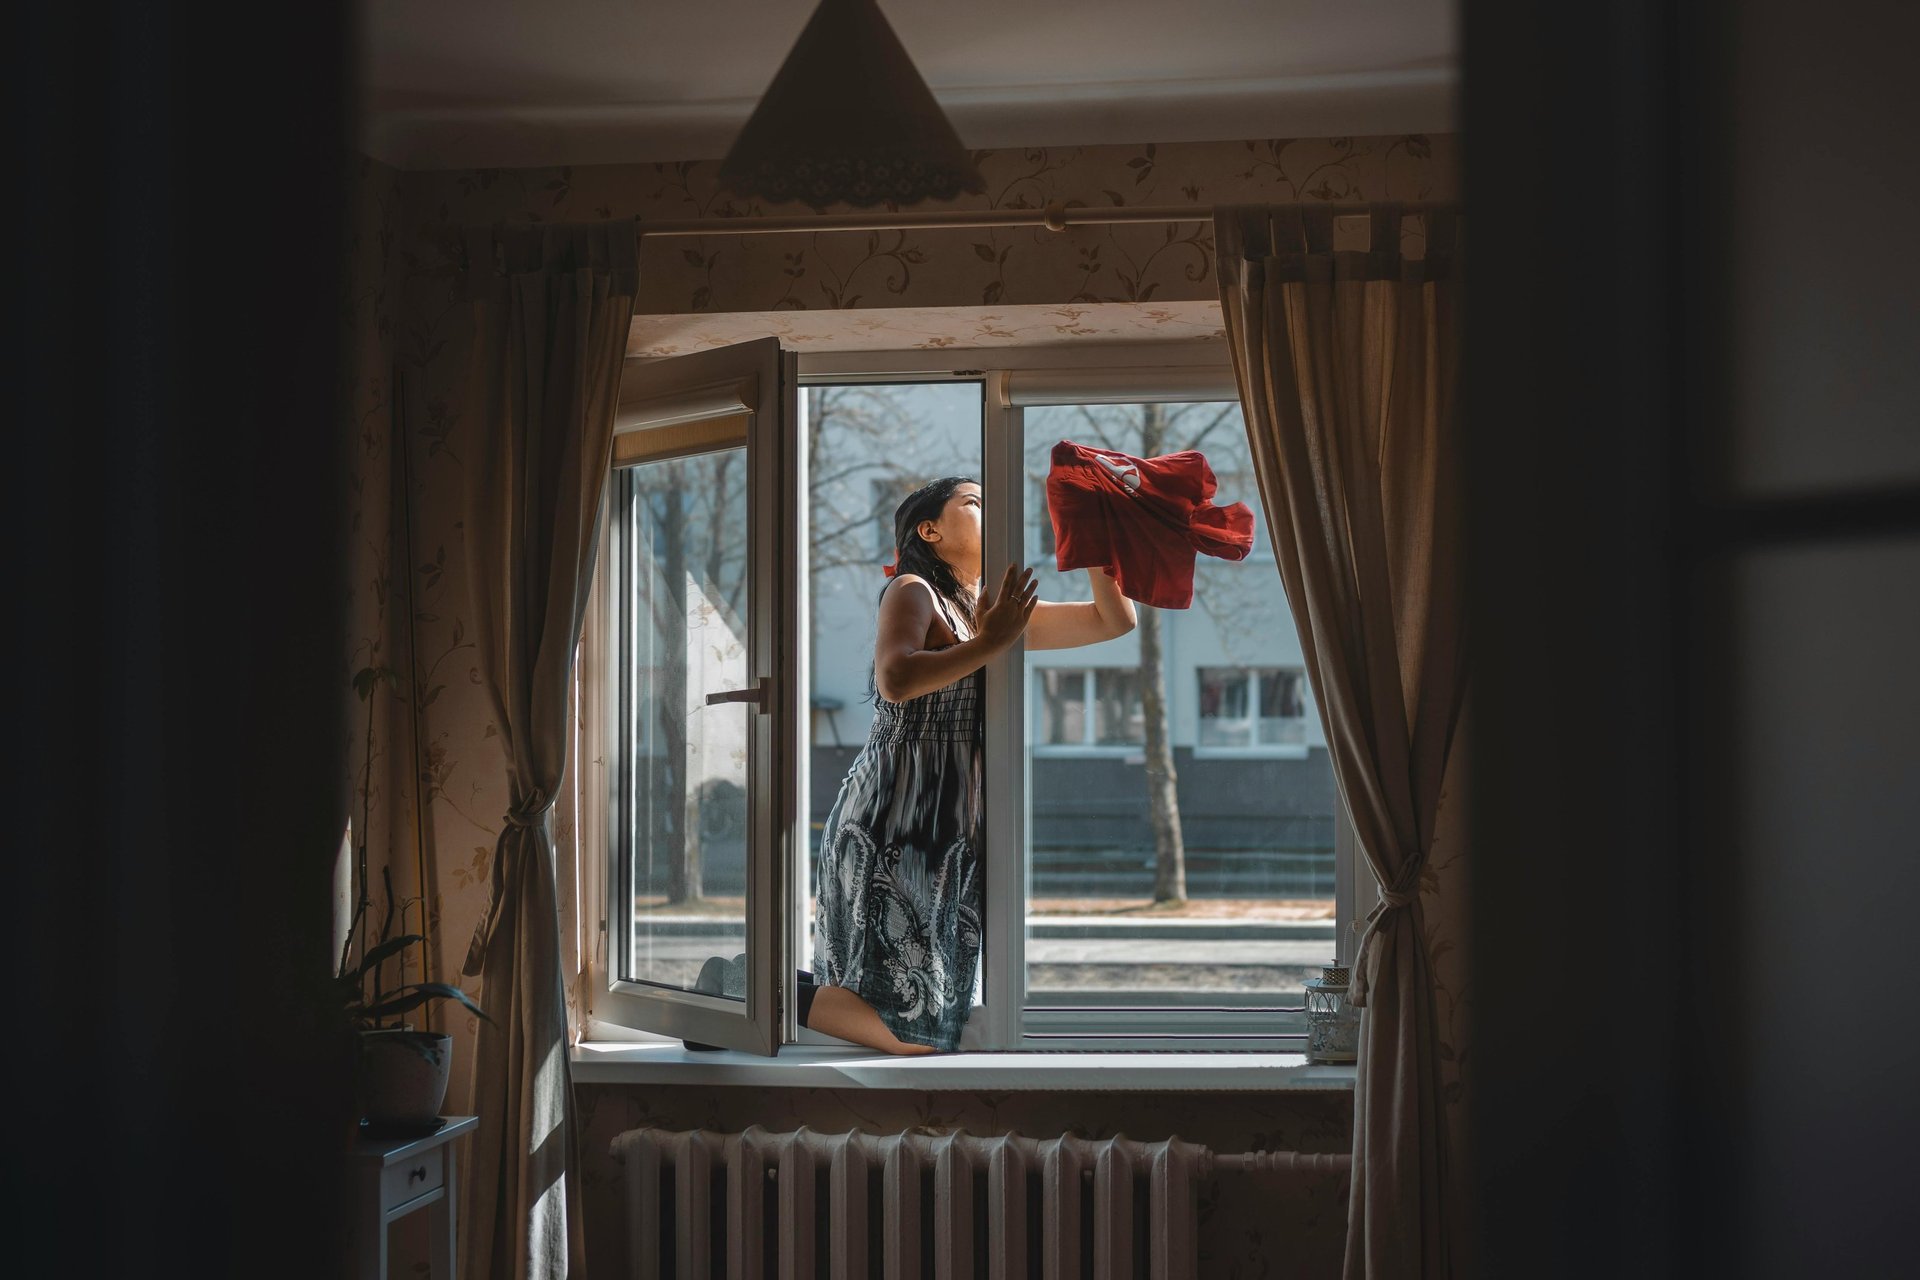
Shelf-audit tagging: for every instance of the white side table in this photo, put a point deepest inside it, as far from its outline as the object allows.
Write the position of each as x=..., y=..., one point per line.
x=395, y=1177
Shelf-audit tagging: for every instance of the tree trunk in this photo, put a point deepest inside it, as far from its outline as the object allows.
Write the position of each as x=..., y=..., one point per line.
x=680, y=832
x=1163, y=797
x=1163, y=794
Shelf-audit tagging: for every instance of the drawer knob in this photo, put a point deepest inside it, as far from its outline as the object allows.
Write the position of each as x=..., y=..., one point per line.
x=420, y=1174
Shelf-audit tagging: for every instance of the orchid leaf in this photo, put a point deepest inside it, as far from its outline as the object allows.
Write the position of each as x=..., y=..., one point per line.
x=377, y=954
x=417, y=994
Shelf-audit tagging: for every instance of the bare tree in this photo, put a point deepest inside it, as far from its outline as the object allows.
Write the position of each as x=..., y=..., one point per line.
x=1163, y=782
x=674, y=829
x=854, y=480
x=853, y=435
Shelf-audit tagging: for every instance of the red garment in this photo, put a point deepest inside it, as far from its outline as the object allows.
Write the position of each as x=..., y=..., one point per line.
x=1144, y=518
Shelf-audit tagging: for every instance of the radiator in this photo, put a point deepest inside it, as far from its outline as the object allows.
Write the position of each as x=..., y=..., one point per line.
x=757, y=1205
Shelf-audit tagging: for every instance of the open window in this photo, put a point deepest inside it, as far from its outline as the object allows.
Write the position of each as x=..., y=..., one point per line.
x=692, y=700
x=750, y=518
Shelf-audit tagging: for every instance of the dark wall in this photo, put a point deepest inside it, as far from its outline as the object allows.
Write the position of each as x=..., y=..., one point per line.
x=1805, y=629
x=173, y=488
x=1689, y=405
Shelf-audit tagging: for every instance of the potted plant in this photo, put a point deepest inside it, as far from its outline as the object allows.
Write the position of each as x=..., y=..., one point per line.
x=402, y=1071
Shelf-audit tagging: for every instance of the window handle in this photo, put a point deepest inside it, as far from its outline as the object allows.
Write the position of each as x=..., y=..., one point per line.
x=760, y=694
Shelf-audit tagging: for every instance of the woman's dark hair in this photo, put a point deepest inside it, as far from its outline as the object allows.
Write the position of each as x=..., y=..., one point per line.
x=913, y=554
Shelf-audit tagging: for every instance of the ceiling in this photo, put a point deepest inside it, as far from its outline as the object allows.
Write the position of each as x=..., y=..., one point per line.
x=510, y=83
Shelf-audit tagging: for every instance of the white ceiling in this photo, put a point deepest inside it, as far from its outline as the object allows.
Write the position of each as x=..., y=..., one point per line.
x=461, y=83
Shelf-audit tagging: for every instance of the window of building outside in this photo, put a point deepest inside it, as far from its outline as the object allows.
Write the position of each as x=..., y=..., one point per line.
x=1078, y=708
x=1252, y=708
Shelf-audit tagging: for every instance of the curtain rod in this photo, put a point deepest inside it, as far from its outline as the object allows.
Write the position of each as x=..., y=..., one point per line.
x=1055, y=217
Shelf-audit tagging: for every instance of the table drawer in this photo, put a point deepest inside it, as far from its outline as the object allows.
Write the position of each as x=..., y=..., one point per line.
x=411, y=1178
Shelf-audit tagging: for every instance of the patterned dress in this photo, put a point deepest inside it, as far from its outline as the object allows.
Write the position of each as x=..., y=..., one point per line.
x=897, y=920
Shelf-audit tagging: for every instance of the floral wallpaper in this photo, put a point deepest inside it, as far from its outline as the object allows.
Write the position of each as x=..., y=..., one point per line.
x=436, y=801
x=373, y=675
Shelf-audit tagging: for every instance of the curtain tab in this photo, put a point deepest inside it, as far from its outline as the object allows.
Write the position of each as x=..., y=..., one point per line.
x=1318, y=220
x=1383, y=242
x=1443, y=239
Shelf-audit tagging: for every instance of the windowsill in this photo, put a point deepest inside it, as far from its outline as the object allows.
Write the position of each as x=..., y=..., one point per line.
x=832, y=1067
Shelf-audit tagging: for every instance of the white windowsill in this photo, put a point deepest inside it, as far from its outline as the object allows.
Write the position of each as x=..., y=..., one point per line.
x=832, y=1067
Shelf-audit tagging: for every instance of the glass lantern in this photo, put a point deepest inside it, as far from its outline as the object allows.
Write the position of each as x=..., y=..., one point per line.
x=1333, y=1025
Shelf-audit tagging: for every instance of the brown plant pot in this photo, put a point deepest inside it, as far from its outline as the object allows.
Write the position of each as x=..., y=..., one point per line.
x=403, y=1075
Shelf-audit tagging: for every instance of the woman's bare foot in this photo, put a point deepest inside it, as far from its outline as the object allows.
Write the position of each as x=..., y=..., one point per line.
x=839, y=1012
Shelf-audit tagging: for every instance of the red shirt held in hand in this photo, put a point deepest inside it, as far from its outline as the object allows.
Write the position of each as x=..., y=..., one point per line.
x=1143, y=518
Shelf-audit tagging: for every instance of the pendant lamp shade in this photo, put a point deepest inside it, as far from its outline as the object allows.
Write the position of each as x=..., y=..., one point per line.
x=848, y=120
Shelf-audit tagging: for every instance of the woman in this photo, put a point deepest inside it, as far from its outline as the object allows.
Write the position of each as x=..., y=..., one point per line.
x=897, y=933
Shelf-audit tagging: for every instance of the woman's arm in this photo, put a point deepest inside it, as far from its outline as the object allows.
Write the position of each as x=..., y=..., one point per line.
x=1068, y=626
x=904, y=668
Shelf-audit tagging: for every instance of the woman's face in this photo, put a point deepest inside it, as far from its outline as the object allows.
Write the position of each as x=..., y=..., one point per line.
x=955, y=536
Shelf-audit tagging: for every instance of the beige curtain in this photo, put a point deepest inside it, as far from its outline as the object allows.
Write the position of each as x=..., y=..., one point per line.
x=1347, y=363
x=551, y=308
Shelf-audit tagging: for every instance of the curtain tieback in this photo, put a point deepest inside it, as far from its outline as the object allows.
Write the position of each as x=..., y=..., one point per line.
x=1397, y=897
x=521, y=817
x=531, y=814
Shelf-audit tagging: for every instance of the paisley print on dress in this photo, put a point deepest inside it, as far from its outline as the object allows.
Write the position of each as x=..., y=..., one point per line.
x=899, y=893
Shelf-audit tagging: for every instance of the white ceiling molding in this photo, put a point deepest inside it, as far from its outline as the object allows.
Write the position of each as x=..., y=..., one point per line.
x=1368, y=103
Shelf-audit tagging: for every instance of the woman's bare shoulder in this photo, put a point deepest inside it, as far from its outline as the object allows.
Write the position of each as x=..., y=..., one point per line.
x=904, y=587
x=915, y=602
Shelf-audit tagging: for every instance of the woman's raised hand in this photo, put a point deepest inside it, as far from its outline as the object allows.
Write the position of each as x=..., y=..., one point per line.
x=1004, y=616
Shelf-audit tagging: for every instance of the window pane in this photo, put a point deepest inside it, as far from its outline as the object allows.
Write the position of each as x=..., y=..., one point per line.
x=1223, y=708
x=684, y=790
x=1062, y=697
x=1041, y=526
x=868, y=446
x=886, y=494
x=1119, y=718
x=1217, y=890
x=1283, y=707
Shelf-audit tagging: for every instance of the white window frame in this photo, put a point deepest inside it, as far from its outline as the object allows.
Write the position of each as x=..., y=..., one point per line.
x=746, y=393
x=1015, y=378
